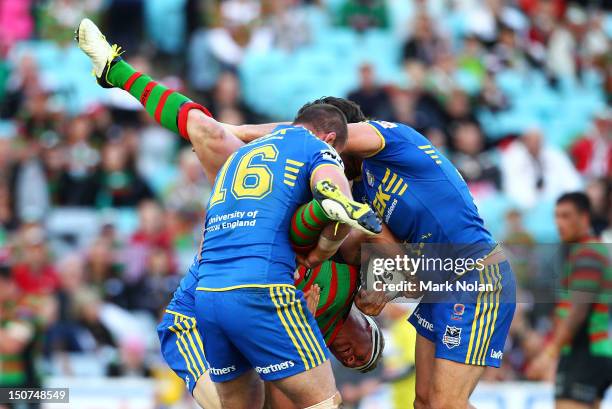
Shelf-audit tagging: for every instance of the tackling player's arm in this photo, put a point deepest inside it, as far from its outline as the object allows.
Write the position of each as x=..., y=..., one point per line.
x=363, y=139
x=248, y=133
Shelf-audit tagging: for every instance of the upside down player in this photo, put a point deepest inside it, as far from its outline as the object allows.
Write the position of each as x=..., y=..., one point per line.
x=422, y=198
x=252, y=181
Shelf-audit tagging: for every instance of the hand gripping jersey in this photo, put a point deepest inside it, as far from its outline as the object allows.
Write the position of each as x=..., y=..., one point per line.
x=249, y=214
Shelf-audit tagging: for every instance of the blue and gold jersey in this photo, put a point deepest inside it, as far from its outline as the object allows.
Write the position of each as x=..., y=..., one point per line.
x=417, y=192
x=256, y=192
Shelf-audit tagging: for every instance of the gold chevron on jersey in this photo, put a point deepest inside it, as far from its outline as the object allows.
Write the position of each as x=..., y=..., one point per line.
x=292, y=169
x=429, y=150
x=393, y=183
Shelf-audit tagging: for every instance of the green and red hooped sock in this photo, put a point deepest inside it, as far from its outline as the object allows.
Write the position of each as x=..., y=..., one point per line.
x=306, y=225
x=168, y=107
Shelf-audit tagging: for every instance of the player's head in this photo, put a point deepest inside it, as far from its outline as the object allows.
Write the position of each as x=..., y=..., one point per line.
x=350, y=109
x=359, y=343
x=326, y=121
x=573, y=216
x=353, y=113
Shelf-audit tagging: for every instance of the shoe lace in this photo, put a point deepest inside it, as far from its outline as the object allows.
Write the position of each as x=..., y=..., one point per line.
x=116, y=51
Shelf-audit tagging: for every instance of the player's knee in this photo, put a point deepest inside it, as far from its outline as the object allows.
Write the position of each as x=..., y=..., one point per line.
x=332, y=402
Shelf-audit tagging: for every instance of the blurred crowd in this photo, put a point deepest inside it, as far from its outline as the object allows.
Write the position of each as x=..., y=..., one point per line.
x=101, y=209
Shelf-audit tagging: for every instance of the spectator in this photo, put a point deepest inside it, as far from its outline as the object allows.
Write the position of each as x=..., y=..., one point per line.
x=229, y=42
x=33, y=270
x=227, y=96
x=93, y=333
x=534, y=171
x=19, y=333
x=117, y=182
x=592, y=153
x=477, y=166
x=598, y=191
x=104, y=272
x=28, y=184
x=151, y=292
x=458, y=109
x=188, y=193
x=132, y=353
x=372, y=98
x=491, y=98
x=78, y=186
x=424, y=45
x=152, y=234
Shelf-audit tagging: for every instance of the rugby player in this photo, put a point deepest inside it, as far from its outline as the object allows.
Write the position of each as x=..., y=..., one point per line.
x=177, y=330
x=422, y=198
x=580, y=341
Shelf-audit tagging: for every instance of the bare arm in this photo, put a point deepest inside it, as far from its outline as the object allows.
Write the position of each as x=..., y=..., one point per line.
x=363, y=140
x=247, y=133
x=566, y=329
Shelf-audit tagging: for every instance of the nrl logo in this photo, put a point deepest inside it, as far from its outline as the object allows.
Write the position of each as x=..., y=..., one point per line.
x=452, y=337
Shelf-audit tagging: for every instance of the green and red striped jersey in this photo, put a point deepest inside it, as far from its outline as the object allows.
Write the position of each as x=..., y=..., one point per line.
x=338, y=283
x=587, y=268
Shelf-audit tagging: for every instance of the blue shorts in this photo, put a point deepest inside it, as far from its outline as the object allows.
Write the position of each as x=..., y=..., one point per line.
x=473, y=333
x=268, y=329
x=182, y=347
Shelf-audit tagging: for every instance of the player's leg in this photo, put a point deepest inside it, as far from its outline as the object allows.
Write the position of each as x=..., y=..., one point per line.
x=310, y=219
x=235, y=381
x=581, y=381
x=424, y=364
x=212, y=142
x=468, y=337
x=182, y=349
x=313, y=387
x=205, y=393
x=276, y=399
x=446, y=391
x=285, y=345
x=425, y=350
x=306, y=225
x=244, y=392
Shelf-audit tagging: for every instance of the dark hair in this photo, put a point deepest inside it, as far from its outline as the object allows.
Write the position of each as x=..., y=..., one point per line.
x=350, y=109
x=579, y=199
x=324, y=118
x=5, y=271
